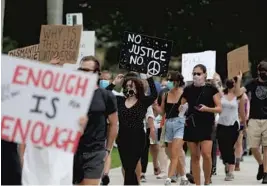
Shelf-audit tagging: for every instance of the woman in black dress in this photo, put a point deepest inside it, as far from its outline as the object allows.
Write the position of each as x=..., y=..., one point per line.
x=132, y=109
x=203, y=102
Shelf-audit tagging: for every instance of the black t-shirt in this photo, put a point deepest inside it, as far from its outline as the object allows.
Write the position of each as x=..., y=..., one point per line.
x=258, y=102
x=103, y=104
x=196, y=96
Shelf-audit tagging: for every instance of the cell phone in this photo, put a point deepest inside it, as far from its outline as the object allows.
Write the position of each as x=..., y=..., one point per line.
x=198, y=107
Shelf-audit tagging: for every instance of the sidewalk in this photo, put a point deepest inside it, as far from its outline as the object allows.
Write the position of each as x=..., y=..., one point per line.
x=247, y=175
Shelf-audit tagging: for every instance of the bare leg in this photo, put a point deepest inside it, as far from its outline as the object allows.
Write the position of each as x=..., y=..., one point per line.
x=195, y=158
x=154, y=150
x=206, y=147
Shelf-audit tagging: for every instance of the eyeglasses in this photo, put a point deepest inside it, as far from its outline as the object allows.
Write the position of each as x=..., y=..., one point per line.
x=85, y=70
x=197, y=74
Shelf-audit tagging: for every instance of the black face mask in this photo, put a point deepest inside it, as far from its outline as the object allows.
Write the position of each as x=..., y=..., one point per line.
x=229, y=84
x=263, y=76
x=128, y=92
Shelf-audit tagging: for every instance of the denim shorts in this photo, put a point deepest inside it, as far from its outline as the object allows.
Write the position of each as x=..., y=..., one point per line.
x=174, y=129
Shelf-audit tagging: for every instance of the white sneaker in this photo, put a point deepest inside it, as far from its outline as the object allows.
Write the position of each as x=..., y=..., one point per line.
x=168, y=181
x=162, y=175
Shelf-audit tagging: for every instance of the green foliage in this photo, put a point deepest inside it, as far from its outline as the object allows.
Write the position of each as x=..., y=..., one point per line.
x=8, y=44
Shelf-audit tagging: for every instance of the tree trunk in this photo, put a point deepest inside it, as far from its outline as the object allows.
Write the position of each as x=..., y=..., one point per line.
x=54, y=12
x=2, y=16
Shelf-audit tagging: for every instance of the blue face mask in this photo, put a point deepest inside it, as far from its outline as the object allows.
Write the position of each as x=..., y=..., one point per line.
x=104, y=83
x=170, y=85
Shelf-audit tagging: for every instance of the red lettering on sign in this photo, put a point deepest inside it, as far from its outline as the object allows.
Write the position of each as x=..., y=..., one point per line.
x=70, y=84
x=81, y=86
x=39, y=134
x=18, y=72
x=18, y=130
x=5, y=126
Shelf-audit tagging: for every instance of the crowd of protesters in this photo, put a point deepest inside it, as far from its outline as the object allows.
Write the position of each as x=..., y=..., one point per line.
x=166, y=118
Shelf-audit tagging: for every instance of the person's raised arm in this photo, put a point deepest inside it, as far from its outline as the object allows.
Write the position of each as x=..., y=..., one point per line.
x=118, y=79
x=149, y=100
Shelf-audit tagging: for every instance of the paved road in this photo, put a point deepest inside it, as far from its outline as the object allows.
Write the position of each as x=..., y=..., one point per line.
x=247, y=175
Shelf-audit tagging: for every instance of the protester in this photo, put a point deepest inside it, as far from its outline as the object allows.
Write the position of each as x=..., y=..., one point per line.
x=257, y=125
x=174, y=126
x=229, y=124
x=203, y=101
x=131, y=136
x=95, y=144
x=105, y=79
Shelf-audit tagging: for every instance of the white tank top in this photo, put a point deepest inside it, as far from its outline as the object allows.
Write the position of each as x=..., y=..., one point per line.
x=229, y=114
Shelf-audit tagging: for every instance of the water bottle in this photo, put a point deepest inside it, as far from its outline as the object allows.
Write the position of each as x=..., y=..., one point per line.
x=184, y=108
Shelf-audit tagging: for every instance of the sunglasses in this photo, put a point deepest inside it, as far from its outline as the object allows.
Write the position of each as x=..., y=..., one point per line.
x=197, y=74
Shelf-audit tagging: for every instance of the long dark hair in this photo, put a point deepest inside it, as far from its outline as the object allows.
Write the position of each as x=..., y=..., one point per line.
x=140, y=92
x=229, y=83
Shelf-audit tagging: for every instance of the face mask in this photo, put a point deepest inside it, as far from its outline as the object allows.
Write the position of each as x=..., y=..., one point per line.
x=104, y=83
x=229, y=84
x=170, y=85
x=263, y=76
x=128, y=93
x=199, y=80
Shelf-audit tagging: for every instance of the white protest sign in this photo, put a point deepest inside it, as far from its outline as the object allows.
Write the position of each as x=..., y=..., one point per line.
x=87, y=45
x=207, y=58
x=42, y=104
x=71, y=66
x=74, y=19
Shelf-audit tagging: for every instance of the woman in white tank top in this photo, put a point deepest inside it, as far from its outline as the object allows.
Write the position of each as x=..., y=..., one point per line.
x=229, y=125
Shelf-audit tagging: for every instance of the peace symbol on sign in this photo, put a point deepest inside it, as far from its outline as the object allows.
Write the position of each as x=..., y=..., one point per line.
x=153, y=68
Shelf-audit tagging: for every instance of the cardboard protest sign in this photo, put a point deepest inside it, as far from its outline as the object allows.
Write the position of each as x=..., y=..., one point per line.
x=60, y=41
x=74, y=19
x=42, y=104
x=87, y=45
x=145, y=54
x=237, y=60
x=29, y=52
x=190, y=60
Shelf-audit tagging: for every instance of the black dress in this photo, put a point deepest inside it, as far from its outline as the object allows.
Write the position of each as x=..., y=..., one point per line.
x=131, y=136
x=199, y=125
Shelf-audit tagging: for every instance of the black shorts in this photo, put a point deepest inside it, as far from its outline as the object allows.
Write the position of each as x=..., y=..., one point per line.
x=198, y=134
x=88, y=165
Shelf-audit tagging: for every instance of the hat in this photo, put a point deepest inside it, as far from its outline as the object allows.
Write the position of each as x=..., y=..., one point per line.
x=262, y=66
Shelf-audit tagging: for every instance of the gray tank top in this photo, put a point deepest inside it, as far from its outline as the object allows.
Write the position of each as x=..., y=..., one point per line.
x=229, y=114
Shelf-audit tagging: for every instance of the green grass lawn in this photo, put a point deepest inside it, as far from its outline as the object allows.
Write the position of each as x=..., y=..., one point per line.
x=116, y=162
x=115, y=158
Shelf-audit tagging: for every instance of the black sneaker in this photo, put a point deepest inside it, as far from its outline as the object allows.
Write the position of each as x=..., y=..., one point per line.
x=190, y=178
x=213, y=171
x=105, y=180
x=260, y=172
x=264, y=180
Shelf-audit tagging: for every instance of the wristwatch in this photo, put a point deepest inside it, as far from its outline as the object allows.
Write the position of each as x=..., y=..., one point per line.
x=108, y=151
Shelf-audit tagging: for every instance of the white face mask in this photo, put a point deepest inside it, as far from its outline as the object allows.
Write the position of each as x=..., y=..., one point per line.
x=199, y=80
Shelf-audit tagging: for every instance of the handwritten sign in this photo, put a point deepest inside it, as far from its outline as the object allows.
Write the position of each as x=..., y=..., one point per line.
x=60, y=41
x=74, y=19
x=87, y=45
x=237, y=60
x=42, y=104
x=190, y=60
x=29, y=52
x=145, y=54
